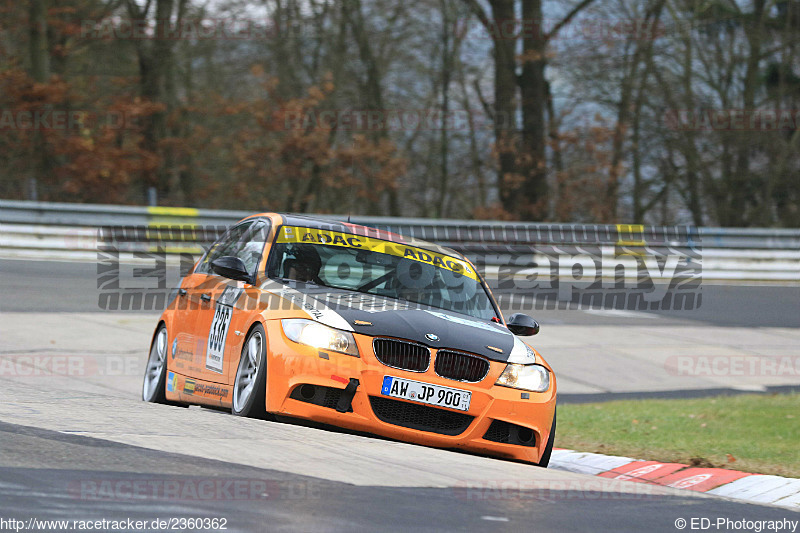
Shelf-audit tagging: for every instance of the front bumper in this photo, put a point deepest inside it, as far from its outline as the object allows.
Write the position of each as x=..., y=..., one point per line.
x=307, y=383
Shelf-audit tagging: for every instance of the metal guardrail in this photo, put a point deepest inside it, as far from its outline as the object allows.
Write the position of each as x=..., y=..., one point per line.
x=454, y=231
x=74, y=231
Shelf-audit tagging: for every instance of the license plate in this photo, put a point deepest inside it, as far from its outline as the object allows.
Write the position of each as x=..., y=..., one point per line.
x=426, y=393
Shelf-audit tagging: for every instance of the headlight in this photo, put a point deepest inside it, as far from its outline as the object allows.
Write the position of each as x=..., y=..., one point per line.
x=534, y=378
x=315, y=334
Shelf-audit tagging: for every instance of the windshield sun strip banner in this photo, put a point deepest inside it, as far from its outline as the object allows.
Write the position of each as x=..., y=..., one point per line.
x=296, y=234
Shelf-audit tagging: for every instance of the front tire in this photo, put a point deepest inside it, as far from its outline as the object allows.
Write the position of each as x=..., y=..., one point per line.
x=548, y=449
x=249, y=387
x=155, y=373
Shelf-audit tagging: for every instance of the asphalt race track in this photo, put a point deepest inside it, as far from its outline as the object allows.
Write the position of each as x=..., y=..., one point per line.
x=80, y=445
x=44, y=474
x=83, y=456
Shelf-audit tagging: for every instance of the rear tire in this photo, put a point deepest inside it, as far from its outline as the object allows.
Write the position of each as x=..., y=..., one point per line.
x=155, y=373
x=250, y=385
x=548, y=449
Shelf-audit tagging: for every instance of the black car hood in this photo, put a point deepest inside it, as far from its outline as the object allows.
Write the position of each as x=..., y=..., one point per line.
x=378, y=316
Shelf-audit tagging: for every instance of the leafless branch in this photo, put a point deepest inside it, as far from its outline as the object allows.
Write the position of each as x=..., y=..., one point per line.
x=566, y=20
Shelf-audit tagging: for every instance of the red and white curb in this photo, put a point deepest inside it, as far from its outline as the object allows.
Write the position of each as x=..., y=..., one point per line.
x=756, y=488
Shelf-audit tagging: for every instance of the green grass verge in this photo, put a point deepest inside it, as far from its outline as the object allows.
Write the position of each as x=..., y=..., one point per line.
x=753, y=433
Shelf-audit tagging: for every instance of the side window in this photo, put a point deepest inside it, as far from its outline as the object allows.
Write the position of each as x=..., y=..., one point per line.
x=245, y=241
x=252, y=245
x=228, y=244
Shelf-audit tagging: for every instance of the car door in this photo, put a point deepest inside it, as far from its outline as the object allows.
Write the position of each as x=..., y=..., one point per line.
x=186, y=345
x=201, y=287
x=219, y=320
x=192, y=300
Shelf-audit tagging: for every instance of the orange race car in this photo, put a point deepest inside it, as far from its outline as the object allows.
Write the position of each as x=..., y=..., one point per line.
x=357, y=328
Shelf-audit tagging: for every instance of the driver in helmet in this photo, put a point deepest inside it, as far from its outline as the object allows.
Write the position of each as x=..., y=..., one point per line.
x=305, y=264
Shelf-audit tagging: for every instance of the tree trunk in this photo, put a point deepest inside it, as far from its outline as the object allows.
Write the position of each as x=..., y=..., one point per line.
x=372, y=91
x=447, y=66
x=555, y=146
x=39, y=53
x=155, y=66
x=533, y=195
x=40, y=72
x=741, y=187
x=627, y=106
x=505, y=92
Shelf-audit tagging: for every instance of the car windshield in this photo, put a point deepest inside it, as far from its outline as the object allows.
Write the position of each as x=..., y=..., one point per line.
x=376, y=266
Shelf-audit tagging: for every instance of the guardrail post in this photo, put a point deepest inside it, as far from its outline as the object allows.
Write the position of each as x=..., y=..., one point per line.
x=33, y=190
